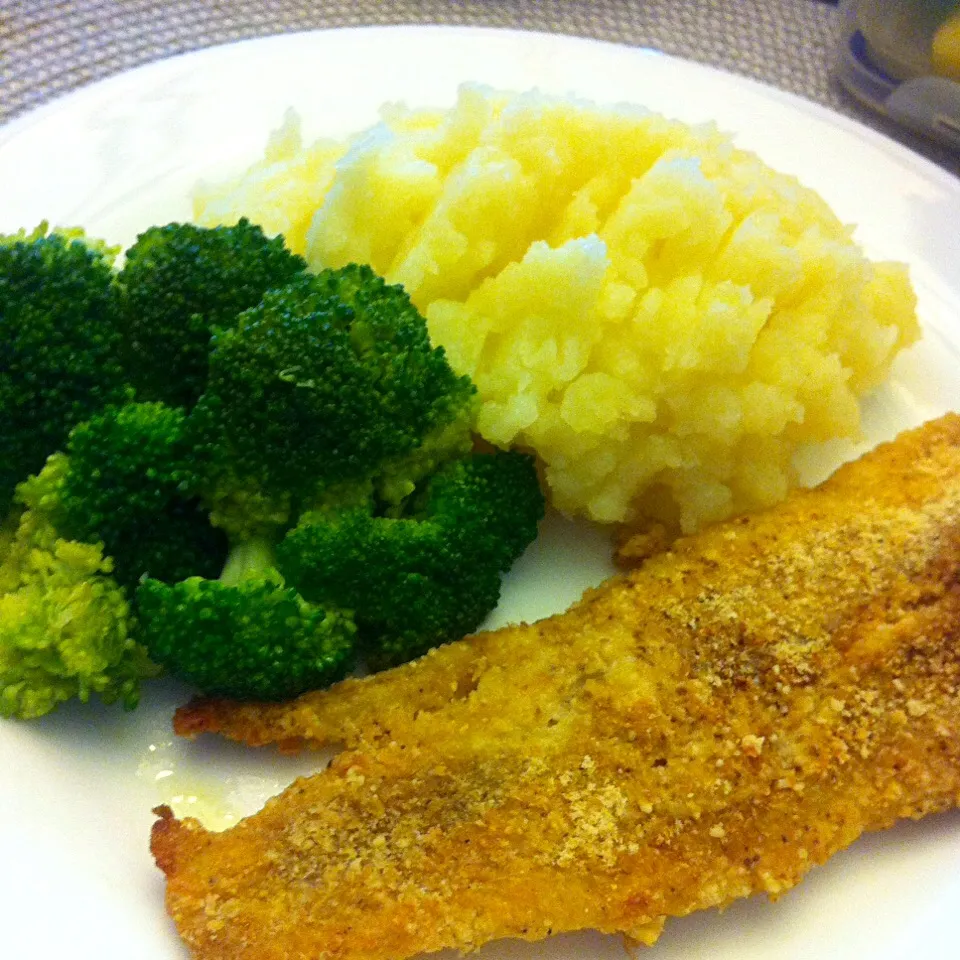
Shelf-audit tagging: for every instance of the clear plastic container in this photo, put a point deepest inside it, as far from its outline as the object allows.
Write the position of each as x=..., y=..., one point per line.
x=902, y=58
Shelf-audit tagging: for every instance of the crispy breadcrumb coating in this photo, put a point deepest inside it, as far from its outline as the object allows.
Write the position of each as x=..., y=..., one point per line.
x=708, y=726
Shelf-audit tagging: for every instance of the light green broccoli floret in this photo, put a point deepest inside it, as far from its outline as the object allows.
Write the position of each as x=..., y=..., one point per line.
x=65, y=623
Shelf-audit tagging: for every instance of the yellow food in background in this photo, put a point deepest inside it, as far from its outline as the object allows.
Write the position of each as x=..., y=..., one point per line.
x=946, y=48
x=658, y=314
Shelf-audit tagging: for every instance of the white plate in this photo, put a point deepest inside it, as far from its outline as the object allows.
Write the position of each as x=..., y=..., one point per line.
x=76, y=788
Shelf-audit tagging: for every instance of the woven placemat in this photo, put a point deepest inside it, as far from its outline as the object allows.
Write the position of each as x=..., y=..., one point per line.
x=48, y=47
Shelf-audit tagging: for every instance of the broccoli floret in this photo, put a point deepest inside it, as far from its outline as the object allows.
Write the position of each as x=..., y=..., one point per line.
x=330, y=380
x=430, y=576
x=491, y=504
x=181, y=281
x=66, y=629
x=61, y=339
x=127, y=486
x=425, y=398
x=245, y=636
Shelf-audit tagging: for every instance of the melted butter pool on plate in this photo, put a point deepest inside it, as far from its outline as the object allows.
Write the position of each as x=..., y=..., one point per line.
x=217, y=782
x=188, y=793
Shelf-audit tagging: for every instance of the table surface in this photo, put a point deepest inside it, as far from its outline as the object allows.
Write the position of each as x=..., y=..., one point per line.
x=49, y=47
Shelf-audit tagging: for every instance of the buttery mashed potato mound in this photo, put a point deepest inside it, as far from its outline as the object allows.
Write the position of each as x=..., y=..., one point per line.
x=660, y=316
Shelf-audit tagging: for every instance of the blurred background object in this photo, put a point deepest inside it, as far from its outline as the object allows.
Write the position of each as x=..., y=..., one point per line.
x=902, y=59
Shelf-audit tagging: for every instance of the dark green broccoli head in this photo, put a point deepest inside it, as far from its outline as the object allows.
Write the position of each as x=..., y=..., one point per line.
x=491, y=504
x=406, y=581
x=427, y=578
x=254, y=640
x=318, y=386
x=60, y=359
x=434, y=407
x=181, y=281
x=127, y=486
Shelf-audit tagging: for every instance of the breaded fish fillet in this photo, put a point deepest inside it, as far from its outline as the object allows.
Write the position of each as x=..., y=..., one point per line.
x=705, y=727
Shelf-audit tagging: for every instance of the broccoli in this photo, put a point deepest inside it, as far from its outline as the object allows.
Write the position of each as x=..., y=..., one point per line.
x=246, y=635
x=308, y=395
x=328, y=410
x=426, y=411
x=327, y=404
x=66, y=629
x=179, y=283
x=126, y=484
x=429, y=576
x=293, y=484
x=330, y=380
x=61, y=356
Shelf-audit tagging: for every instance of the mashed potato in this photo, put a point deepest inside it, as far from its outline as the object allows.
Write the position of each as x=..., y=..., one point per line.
x=659, y=315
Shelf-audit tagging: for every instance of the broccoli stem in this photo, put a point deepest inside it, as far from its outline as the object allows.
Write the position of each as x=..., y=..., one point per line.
x=248, y=560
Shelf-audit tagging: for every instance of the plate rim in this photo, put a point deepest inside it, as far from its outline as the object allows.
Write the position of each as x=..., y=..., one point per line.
x=893, y=148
